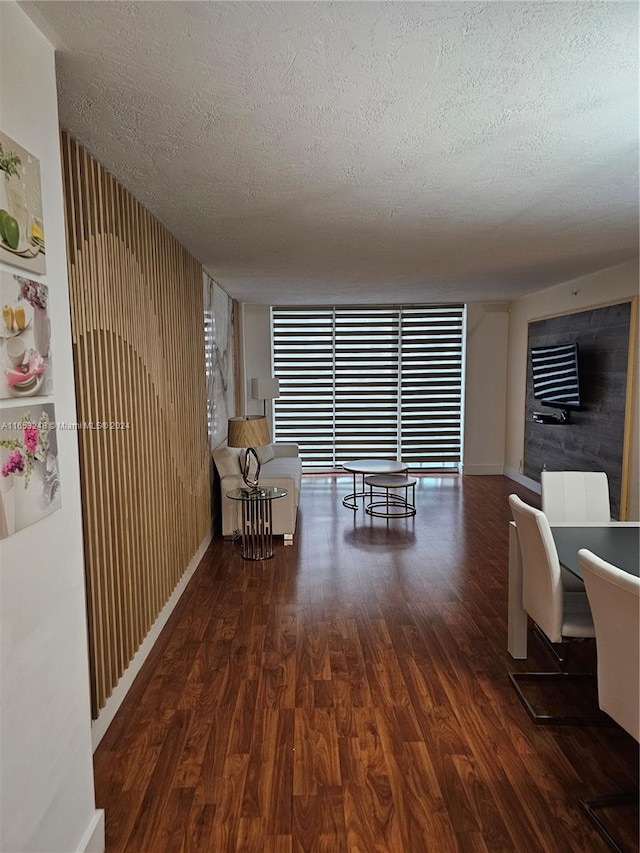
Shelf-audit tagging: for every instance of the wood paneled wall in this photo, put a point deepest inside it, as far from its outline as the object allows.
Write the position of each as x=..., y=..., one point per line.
x=138, y=340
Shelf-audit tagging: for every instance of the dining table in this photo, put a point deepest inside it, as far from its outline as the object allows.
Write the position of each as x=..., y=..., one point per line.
x=616, y=542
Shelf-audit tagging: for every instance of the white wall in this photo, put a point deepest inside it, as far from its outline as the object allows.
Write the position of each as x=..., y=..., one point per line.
x=599, y=288
x=46, y=774
x=485, y=387
x=496, y=365
x=485, y=392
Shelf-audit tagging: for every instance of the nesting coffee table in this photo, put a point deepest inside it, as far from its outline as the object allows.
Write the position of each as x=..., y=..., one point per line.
x=392, y=505
x=365, y=467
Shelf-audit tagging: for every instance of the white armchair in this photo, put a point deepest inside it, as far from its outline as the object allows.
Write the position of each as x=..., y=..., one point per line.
x=280, y=466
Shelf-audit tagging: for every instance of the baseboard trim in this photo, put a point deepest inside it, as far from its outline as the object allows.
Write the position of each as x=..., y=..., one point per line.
x=482, y=470
x=94, y=841
x=527, y=482
x=105, y=718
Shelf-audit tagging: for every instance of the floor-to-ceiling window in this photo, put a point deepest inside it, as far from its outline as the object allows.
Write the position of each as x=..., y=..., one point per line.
x=370, y=382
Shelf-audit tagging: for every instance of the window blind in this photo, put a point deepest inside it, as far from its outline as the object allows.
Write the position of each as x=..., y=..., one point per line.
x=370, y=382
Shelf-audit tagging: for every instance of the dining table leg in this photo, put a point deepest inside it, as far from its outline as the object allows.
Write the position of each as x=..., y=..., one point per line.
x=516, y=615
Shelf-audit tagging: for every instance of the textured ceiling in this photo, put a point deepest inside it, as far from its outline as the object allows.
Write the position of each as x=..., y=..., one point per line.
x=365, y=152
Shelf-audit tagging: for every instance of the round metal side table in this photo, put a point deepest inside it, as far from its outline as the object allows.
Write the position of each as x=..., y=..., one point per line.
x=257, y=536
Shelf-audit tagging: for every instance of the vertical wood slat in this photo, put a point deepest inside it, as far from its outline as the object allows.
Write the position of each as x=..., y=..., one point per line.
x=137, y=330
x=629, y=410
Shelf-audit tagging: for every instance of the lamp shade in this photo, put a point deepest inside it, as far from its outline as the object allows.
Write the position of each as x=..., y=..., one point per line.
x=250, y=431
x=265, y=389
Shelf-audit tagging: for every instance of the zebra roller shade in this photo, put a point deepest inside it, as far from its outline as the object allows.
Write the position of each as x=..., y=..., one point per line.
x=555, y=375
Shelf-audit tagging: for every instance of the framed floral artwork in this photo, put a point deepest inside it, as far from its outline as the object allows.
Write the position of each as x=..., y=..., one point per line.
x=21, y=224
x=25, y=339
x=29, y=476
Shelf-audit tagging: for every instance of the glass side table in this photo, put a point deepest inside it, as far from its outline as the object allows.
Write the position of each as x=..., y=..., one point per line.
x=257, y=537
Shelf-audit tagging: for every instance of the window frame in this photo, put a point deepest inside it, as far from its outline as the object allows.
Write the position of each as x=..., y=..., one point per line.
x=365, y=375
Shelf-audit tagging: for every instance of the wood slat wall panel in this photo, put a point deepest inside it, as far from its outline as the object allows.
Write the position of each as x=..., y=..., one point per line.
x=138, y=341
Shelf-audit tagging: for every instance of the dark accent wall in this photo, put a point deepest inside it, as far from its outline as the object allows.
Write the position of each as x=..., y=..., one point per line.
x=593, y=440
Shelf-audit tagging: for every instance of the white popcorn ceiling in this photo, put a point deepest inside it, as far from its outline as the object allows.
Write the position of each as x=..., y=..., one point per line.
x=359, y=152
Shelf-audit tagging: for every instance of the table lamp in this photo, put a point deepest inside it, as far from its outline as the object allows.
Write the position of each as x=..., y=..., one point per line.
x=265, y=389
x=249, y=431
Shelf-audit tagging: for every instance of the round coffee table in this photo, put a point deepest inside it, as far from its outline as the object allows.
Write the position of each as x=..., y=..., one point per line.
x=393, y=505
x=369, y=466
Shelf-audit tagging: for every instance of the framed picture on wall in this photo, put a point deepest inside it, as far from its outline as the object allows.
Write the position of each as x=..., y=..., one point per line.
x=29, y=476
x=21, y=223
x=25, y=340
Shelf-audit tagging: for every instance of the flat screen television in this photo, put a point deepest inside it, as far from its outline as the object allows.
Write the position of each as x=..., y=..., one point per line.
x=556, y=381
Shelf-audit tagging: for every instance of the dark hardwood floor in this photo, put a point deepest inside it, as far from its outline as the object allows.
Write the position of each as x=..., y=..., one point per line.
x=351, y=694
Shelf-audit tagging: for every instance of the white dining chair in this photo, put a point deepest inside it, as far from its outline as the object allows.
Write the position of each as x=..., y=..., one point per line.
x=560, y=614
x=614, y=596
x=575, y=496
